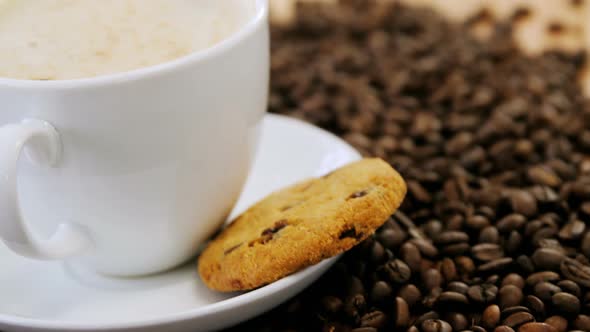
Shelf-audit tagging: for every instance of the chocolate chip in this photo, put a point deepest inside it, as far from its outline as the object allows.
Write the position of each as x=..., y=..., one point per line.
x=358, y=194
x=275, y=228
x=555, y=28
x=230, y=249
x=350, y=233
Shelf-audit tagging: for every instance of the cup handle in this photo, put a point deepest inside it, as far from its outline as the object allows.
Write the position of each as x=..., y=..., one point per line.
x=43, y=145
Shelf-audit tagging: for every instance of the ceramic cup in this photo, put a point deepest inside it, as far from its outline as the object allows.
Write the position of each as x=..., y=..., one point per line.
x=129, y=173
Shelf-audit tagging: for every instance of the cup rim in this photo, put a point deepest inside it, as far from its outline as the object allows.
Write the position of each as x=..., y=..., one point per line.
x=260, y=17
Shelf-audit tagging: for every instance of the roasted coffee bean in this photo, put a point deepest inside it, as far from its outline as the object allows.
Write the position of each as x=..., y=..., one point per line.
x=512, y=310
x=545, y=290
x=364, y=329
x=455, y=249
x=432, y=279
x=452, y=298
x=576, y=271
x=552, y=244
x=459, y=143
x=493, y=279
x=572, y=230
x=536, y=327
x=484, y=293
x=524, y=203
x=571, y=287
x=331, y=304
x=448, y=269
x=517, y=319
x=430, y=315
x=582, y=322
x=458, y=287
x=376, y=319
x=536, y=305
x=513, y=279
x=495, y=265
x=547, y=259
x=491, y=317
x=465, y=265
x=544, y=176
x=510, y=296
x=432, y=228
x=426, y=248
x=431, y=298
x=487, y=252
x=542, y=234
x=396, y=271
x=559, y=323
x=450, y=237
x=411, y=294
x=411, y=255
x=511, y=222
x=455, y=223
x=355, y=286
x=566, y=303
x=402, y=312
x=476, y=328
x=381, y=291
x=391, y=238
x=377, y=253
x=503, y=328
x=458, y=321
x=436, y=325
x=477, y=221
x=489, y=234
x=537, y=277
x=513, y=242
x=354, y=306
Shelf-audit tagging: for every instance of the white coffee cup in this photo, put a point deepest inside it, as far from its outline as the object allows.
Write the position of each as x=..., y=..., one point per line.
x=129, y=173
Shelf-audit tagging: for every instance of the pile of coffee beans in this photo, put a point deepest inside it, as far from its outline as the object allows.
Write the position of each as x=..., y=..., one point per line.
x=494, y=234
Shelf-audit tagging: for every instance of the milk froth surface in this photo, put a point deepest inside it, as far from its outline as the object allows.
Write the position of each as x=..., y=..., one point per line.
x=68, y=39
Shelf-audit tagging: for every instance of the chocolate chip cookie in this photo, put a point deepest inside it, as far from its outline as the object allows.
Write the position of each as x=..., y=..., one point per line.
x=301, y=225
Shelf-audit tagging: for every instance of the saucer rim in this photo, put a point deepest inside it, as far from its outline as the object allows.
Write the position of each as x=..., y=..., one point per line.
x=222, y=306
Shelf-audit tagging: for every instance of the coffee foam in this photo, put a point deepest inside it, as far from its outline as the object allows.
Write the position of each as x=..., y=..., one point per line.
x=67, y=39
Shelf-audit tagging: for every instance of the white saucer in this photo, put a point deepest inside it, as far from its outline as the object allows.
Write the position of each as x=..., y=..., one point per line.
x=46, y=296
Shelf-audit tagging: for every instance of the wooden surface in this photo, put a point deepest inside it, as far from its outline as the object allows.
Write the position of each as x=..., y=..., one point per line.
x=551, y=24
